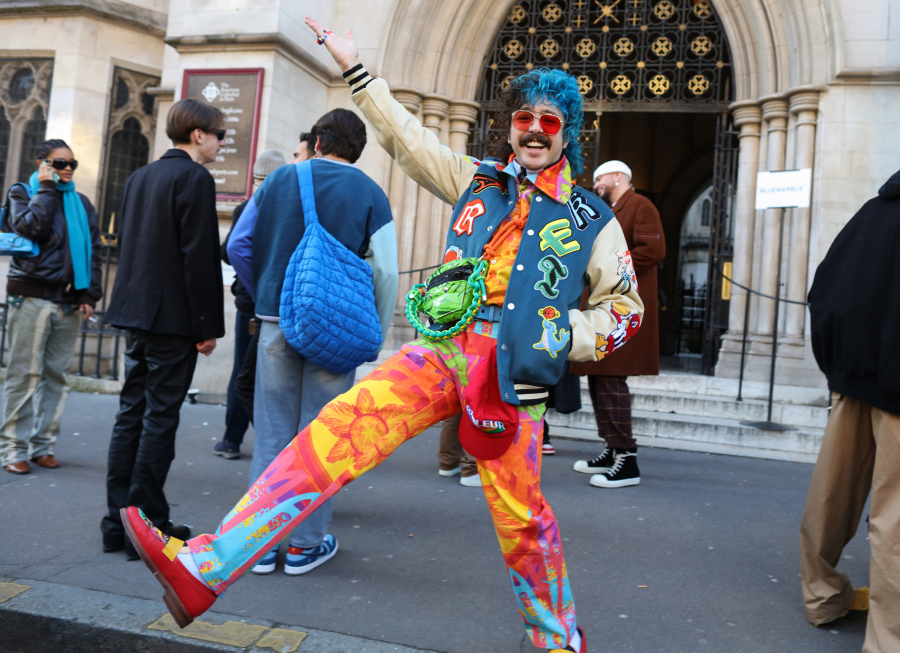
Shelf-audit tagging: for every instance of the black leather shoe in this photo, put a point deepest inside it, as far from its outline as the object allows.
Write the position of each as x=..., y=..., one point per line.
x=180, y=532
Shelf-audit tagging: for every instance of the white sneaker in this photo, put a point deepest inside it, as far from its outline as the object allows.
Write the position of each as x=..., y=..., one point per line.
x=623, y=472
x=450, y=472
x=470, y=481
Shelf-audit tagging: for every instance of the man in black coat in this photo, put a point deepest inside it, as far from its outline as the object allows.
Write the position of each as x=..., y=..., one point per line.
x=855, y=323
x=168, y=297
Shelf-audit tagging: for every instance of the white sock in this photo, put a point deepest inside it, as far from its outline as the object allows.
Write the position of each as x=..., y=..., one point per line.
x=575, y=642
x=186, y=559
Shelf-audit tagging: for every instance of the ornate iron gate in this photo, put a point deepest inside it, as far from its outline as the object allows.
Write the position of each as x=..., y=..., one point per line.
x=721, y=248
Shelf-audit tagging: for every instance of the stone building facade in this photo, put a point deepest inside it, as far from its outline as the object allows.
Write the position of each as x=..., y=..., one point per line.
x=783, y=84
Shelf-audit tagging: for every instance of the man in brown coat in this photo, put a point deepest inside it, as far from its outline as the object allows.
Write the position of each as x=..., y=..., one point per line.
x=617, y=465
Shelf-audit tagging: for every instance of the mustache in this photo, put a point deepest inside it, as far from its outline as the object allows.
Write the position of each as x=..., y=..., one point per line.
x=543, y=139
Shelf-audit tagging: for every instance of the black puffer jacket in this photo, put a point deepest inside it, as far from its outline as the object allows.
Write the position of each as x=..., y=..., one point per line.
x=855, y=304
x=49, y=275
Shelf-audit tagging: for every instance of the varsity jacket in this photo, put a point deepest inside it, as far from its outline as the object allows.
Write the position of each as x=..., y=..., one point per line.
x=570, y=241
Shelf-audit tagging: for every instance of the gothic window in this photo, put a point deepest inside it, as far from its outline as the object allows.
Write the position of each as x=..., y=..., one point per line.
x=24, y=101
x=671, y=52
x=129, y=149
x=32, y=135
x=704, y=213
x=130, y=131
x=4, y=149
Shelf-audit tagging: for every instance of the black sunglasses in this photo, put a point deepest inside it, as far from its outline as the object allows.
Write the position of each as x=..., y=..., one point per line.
x=62, y=164
x=220, y=134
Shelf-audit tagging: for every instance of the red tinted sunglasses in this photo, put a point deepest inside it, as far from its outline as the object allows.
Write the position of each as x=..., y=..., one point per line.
x=523, y=120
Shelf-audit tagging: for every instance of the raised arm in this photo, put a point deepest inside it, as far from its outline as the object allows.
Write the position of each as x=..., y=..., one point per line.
x=413, y=146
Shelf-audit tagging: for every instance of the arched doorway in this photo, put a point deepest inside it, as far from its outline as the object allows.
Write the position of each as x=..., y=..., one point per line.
x=657, y=80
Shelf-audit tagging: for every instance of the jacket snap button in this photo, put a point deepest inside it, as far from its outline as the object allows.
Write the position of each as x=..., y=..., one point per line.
x=506, y=396
x=531, y=232
x=510, y=202
x=539, y=198
x=510, y=306
x=503, y=347
x=489, y=228
x=520, y=267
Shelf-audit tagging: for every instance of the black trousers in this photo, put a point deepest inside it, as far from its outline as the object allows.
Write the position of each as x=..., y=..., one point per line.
x=158, y=373
x=245, y=383
x=236, y=418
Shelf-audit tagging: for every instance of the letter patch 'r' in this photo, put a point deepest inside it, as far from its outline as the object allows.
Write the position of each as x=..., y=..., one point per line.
x=466, y=220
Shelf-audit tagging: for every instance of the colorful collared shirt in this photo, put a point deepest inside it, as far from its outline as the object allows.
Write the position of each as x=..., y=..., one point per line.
x=555, y=182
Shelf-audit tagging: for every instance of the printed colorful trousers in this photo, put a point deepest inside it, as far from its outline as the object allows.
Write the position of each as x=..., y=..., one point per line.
x=421, y=385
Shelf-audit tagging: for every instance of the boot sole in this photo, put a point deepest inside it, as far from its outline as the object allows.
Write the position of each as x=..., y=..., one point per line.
x=591, y=470
x=170, y=598
x=623, y=483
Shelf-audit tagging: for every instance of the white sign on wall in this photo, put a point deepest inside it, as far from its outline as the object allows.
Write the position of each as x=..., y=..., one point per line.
x=786, y=189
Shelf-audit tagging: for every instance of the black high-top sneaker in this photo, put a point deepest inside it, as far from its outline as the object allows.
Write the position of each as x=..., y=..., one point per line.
x=623, y=472
x=598, y=465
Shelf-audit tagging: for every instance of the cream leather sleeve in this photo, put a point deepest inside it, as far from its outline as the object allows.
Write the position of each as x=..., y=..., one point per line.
x=614, y=309
x=413, y=146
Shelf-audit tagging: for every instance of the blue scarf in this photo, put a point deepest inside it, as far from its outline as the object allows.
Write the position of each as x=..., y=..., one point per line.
x=79, y=230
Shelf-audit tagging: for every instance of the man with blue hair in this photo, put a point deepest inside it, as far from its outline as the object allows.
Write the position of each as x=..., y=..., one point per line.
x=543, y=241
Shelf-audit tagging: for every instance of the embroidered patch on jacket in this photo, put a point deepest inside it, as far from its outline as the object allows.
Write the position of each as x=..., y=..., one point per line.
x=582, y=212
x=625, y=271
x=453, y=253
x=554, y=271
x=465, y=223
x=554, y=235
x=627, y=324
x=481, y=182
x=549, y=341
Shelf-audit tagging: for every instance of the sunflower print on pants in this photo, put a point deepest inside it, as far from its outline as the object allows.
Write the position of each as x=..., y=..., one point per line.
x=416, y=388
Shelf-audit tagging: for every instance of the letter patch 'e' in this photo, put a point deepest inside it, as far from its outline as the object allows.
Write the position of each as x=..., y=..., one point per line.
x=466, y=220
x=553, y=235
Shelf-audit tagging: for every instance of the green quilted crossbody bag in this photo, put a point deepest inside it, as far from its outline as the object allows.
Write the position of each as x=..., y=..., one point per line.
x=452, y=295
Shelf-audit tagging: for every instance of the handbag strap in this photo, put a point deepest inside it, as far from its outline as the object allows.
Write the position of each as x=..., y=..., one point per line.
x=307, y=196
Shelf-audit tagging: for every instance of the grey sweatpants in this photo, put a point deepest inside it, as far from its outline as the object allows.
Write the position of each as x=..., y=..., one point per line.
x=41, y=340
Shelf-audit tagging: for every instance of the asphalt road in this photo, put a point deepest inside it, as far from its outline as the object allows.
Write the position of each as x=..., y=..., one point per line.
x=713, y=538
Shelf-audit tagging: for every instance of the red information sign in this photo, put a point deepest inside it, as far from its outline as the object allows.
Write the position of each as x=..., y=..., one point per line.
x=237, y=93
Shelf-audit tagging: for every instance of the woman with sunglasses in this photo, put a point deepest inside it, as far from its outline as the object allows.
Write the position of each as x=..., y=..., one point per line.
x=48, y=295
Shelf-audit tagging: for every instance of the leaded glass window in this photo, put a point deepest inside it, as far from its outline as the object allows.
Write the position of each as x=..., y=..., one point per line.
x=34, y=132
x=131, y=128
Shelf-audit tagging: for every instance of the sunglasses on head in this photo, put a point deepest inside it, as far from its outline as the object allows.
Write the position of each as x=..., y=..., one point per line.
x=62, y=164
x=523, y=120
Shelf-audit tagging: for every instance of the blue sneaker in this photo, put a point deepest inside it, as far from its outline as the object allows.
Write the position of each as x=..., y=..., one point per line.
x=227, y=450
x=299, y=561
x=266, y=564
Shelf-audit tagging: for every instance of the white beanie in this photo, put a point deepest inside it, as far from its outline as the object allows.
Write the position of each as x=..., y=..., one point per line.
x=610, y=167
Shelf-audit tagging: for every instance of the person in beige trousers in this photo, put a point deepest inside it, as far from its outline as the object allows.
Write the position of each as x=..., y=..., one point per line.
x=855, y=313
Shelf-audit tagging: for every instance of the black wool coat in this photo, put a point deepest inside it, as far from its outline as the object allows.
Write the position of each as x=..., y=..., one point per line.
x=855, y=304
x=169, y=278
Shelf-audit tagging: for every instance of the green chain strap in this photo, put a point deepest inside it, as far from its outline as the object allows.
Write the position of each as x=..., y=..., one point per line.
x=417, y=295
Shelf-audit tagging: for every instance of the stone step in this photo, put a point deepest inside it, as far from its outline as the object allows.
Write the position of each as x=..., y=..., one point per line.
x=699, y=384
x=680, y=403
x=694, y=433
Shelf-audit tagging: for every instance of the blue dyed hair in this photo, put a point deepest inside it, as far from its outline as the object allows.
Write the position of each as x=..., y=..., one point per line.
x=552, y=86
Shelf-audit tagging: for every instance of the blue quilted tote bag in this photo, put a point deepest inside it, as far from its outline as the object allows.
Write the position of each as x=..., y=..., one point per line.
x=328, y=301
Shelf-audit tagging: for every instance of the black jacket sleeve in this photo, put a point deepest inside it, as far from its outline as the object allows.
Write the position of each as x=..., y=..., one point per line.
x=33, y=217
x=95, y=291
x=199, y=233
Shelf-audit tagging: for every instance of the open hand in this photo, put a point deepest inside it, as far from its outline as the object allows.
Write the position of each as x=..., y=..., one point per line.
x=344, y=50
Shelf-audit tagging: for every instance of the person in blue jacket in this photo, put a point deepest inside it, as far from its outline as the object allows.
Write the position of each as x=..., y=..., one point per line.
x=291, y=390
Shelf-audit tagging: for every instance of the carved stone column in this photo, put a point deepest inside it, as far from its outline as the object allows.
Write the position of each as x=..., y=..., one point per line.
x=403, y=194
x=747, y=116
x=804, y=105
x=463, y=114
x=775, y=114
x=428, y=236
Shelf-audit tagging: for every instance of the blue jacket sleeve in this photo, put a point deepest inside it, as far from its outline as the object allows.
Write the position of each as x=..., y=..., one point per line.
x=240, y=246
x=382, y=257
